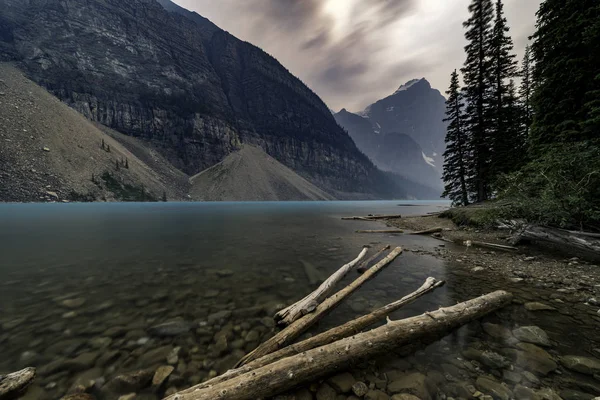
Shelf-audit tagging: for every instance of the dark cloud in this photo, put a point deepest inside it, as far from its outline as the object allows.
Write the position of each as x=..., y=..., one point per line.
x=354, y=52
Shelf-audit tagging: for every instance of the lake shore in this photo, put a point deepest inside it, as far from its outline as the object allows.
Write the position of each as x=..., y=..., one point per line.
x=537, y=266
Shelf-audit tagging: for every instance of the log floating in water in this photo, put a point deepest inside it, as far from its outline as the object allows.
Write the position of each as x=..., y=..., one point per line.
x=14, y=385
x=291, y=332
x=348, y=329
x=381, y=231
x=310, y=302
x=289, y=372
x=365, y=264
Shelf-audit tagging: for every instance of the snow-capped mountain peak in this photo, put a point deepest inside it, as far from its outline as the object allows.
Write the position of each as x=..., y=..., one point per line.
x=408, y=85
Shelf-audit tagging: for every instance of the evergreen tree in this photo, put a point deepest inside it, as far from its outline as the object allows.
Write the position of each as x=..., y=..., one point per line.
x=164, y=197
x=566, y=52
x=512, y=147
x=504, y=68
x=455, y=157
x=127, y=163
x=117, y=165
x=526, y=91
x=477, y=74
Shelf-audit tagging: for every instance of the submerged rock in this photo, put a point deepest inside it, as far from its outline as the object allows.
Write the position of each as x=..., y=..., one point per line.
x=535, y=306
x=493, y=388
x=170, y=329
x=585, y=365
x=532, y=334
x=161, y=374
x=342, y=383
x=414, y=384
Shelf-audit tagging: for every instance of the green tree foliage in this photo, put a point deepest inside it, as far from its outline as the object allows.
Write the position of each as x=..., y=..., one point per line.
x=560, y=185
x=456, y=155
x=566, y=50
x=526, y=90
x=504, y=131
x=477, y=74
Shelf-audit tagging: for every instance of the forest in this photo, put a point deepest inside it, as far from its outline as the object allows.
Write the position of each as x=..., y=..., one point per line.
x=527, y=135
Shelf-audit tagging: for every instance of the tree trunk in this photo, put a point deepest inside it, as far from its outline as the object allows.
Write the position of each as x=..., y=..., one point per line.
x=316, y=363
x=569, y=241
x=310, y=302
x=348, y=329
x=290, y=333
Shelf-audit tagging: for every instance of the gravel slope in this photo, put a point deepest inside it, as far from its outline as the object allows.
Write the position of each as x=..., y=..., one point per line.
x=49, y=152
x=253, y=175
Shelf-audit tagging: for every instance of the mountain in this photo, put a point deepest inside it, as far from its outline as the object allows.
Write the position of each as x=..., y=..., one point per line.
x=403, y=133
x=183, y=88
x=251, y=174
x=50, y=152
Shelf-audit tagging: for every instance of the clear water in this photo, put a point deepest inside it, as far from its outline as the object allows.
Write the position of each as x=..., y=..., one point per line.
x=138, y=265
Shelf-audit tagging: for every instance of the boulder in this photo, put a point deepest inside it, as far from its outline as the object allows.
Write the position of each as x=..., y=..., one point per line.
x=584, y=365
x=533, y=358
x=376, y=395
x=521, y=392
x=532, y=334
x=496, y=331
x=129, y=383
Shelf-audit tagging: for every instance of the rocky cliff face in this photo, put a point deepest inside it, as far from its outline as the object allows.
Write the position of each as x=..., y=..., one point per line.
x=403, y=133
x=187, y=88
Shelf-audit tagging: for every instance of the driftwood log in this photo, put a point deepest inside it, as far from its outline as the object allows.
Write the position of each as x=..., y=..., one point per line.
x=571, y=241
x=427, y=231
x=295, y=370
x=298, y=327
x=490, y=245
x=365, y=264
x=373, y=217
x=381, y=231
x=15, y=384
x=310, y=302
x=343, y=331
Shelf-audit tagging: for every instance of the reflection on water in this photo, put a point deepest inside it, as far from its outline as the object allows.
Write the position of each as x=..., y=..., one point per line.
x=83, y=288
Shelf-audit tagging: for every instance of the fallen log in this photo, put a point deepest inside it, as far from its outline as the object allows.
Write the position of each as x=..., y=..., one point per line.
x=292, y=371
x=15, y=384
x=365, y=264
x=427, y=231
x=373, y=217
x=381, y=231
x=309, y=303
x=298, y=327
x=570, y=241
x=348, y=329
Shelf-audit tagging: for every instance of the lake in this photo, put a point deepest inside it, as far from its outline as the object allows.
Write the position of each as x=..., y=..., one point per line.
x=83, y=285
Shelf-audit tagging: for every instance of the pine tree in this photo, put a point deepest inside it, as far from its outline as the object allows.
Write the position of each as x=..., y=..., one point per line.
x=526, y=91
x=164, y=197
x=504, y=68
x=127, y=163
x=477, y=74
x=455, y=157
x=514, y=138
x=102, y=144
x=117, y=165
x=566, y=52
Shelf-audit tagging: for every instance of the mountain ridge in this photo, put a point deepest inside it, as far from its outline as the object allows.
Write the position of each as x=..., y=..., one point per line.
x=185, y=87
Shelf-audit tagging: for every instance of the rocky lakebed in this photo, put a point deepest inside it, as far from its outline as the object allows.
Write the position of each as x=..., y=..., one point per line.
x=142, y=332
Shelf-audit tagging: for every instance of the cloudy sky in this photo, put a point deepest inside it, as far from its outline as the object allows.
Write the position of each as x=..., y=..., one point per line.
x=354, y=52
